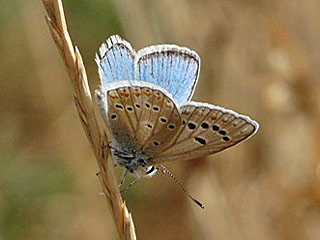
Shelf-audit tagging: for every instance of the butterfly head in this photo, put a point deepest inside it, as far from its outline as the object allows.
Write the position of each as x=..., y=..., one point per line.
x=135, y=162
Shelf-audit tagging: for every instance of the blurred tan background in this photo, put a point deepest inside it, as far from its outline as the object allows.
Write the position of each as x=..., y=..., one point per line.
x=259, y=57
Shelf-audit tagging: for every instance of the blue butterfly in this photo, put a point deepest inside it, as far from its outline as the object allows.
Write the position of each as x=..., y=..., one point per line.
x=145, y=101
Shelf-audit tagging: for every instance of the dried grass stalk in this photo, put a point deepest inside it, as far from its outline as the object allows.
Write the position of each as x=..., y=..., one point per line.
x=83, y=101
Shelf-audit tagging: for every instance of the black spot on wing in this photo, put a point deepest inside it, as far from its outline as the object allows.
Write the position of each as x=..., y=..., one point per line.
x=222, y=132
x=205, y=125
x=156, y=108
x=226, y=138
x=113, y=116
x=119, y=106
x=163, y=119
x=156, y=143
x=171, y=126
x=129, y=108
x=201, y=140
x=215, y=127
x=191, y=126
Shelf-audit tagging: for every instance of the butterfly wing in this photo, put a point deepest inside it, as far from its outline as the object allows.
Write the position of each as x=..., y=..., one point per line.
x=175, y=69
x=142, y=115
x=115, y=61
x=134, y=114
x=207, y=129
x=118, y=114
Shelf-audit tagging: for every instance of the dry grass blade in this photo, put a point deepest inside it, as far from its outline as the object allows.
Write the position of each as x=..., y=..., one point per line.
x=83, y=101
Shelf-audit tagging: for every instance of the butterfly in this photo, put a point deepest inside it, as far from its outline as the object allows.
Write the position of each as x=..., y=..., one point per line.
x=144, y=100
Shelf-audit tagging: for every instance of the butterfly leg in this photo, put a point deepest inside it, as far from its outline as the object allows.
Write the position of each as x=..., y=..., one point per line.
x=110, y=145
x=106, y=147
x=137, y=176
x=123, y=177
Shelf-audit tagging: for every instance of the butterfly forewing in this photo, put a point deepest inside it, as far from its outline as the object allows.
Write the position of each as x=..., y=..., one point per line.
x=137, y=102
x=207, y=129
x=146, y=125
x=115, y=61
x=128, y=105
x=114, y=113
x=140, y=116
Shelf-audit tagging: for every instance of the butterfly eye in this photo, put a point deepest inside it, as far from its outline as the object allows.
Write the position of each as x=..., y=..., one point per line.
x=142, y=162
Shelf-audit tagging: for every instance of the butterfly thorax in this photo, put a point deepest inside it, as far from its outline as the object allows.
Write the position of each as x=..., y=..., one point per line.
x=136, y=162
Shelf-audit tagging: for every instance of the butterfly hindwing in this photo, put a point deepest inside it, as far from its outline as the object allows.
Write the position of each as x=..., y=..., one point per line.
x=165, y=120
x=158, y=111
x=175, y=69
x=207, y=129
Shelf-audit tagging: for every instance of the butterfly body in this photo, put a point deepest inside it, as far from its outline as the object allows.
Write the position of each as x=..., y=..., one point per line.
x=145, y=101
x=135, y=161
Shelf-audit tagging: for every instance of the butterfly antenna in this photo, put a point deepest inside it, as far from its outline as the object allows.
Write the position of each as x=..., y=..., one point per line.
x=165, y=170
